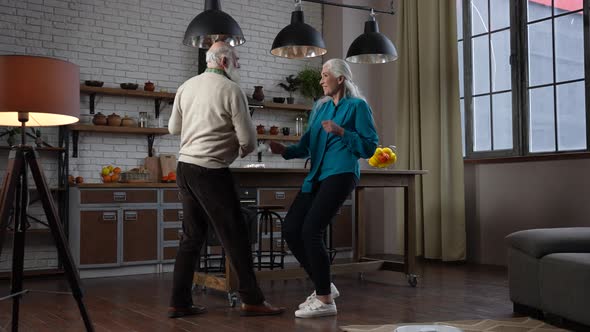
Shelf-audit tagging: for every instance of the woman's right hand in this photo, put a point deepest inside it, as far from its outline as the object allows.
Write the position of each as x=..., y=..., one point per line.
x=277, y=148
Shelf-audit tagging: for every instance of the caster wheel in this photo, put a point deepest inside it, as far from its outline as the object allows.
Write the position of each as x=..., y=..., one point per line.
x=412, y=280
x=233, y=299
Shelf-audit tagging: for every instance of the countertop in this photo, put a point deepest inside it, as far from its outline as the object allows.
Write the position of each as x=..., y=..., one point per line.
x=276, y=174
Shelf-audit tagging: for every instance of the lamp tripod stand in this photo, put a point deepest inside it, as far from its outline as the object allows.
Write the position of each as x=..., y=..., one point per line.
x=14, y=193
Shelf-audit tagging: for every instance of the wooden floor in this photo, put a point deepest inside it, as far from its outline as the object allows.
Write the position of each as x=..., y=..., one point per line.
x=138, y=303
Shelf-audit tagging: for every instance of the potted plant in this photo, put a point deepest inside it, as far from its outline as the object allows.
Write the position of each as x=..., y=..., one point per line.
x=12, y=133
x=309, y=83
x=291, y=86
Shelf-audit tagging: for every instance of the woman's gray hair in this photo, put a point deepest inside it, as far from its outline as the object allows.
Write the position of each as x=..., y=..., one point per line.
x=214, y=57
x=339, y=67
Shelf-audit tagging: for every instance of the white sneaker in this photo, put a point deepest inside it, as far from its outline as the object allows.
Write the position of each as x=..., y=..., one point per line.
x=317, y=308
x=333, y=291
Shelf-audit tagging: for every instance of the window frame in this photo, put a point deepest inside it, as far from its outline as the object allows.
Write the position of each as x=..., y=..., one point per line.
x=519, y=81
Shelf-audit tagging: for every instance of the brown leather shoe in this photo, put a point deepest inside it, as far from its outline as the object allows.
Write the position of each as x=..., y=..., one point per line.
x=174, y=312
x=263, y=309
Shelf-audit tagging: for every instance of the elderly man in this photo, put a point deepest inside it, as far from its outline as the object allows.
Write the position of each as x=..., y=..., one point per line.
x=210, y=113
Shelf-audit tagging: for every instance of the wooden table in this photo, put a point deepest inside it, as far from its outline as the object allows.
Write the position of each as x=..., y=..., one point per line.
x=283, y=177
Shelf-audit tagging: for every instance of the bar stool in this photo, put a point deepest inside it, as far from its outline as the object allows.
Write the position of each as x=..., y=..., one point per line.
x=265, y=216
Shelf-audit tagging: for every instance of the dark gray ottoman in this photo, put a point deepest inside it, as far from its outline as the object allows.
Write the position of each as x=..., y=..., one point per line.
x=565, y=285
x=549, y=270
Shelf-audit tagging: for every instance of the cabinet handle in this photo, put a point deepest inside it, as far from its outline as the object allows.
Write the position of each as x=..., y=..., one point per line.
x=109, y=216
x=180, y=215
x=179, y=194
x=180, y=233
x=130, y=216
x=119, y=196
x=279, y=195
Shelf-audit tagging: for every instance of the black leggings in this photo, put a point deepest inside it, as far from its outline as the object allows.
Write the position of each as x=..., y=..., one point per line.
x=307, y=220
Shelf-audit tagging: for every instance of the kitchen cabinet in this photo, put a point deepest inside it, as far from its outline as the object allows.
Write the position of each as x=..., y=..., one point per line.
x=99, y=234
x=140, y=235
x=114, y=226
x=171, y=225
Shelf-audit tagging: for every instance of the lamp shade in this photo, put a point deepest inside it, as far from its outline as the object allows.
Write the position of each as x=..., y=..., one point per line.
x=213, y=25
x=47, y=89
x=298, y=40
x=371, y=47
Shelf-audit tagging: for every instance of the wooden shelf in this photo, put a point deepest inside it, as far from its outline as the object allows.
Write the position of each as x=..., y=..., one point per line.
x=45, y=149
x=126, y=93
x=150, y=132
x=156, y=96
x=287, y=107
x=118, y=129
x=279, y=138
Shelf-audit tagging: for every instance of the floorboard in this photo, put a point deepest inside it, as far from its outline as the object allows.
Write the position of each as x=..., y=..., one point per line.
x=138, y=303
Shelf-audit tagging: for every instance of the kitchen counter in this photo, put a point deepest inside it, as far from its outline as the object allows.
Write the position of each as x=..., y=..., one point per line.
x=275, y=177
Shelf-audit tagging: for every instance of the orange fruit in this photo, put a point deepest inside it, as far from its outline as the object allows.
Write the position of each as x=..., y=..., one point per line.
x=115, y=177
x=106, y=178
x=117, y=170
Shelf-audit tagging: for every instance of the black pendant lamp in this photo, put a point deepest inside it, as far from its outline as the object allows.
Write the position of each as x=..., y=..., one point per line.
x=372, y=46
x=213, y=25
x=298, y=40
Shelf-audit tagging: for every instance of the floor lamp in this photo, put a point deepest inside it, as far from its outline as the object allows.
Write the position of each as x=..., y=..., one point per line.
x=34, y=92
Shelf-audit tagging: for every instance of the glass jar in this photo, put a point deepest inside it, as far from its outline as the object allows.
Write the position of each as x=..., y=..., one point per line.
x=299, y=126
x=143, y=120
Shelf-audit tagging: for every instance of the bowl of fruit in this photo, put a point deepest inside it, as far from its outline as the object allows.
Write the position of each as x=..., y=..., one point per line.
x=110, y=174
x=383, y=157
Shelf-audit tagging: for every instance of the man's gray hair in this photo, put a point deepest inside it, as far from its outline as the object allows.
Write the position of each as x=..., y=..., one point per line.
x=214, y=57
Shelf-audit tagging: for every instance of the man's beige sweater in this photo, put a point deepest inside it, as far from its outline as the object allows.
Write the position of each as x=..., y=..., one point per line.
x=210, y=113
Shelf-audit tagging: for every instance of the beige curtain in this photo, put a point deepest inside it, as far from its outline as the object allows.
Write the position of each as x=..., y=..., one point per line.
x=428, y=126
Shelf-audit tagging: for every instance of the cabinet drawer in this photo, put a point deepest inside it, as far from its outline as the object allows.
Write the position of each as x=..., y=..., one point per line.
x=276, y=245
x=118, y=196
x=172, y=196
x=342, y=228
x=282, y=197
x=172, y=234
x=173, y=215
x=169, y=252
x=98, y=237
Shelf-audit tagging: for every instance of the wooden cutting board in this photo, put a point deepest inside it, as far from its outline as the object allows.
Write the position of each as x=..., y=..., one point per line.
x=168, y=163
x=152, y=164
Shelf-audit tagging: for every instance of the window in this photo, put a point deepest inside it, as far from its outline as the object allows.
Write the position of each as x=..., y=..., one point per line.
x=522, y=65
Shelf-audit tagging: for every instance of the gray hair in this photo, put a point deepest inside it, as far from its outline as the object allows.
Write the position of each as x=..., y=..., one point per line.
x=339, y=67
x=215, y=56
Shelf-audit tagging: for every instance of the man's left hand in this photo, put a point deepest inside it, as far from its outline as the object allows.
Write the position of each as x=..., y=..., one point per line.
x=331, y=127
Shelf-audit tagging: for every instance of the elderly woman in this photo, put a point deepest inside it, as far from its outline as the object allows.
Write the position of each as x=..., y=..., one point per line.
x=341, y=130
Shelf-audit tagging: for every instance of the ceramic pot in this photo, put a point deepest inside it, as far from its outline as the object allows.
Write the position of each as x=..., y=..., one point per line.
x=99, y=119
x=274, y=130
x=114, y=120
x=260, y=130
x=258, y=95
x=149, y=86
x=127, y=122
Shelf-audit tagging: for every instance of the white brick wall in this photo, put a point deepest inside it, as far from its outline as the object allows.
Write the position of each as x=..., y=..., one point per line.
x=139, y=40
